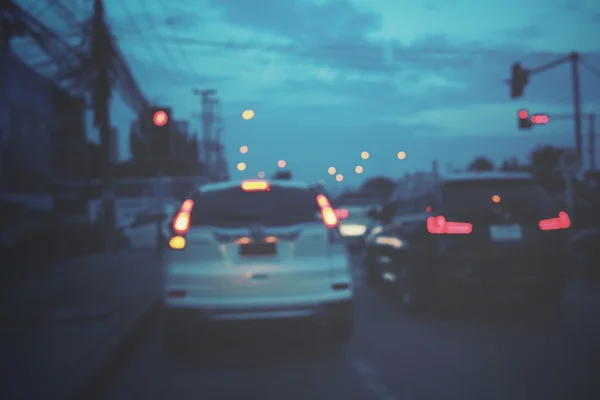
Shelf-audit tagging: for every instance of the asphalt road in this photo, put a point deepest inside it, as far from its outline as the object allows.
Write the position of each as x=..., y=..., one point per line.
x=472, y=352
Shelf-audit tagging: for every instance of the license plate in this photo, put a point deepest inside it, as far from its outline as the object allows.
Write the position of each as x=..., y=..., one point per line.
x=506, y=232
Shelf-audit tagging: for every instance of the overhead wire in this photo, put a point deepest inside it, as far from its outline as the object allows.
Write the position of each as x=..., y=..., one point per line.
x=151, y=51
x=592, y=70
x=184, y=55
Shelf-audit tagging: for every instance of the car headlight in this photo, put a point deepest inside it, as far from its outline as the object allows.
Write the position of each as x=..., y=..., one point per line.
x=390, y=241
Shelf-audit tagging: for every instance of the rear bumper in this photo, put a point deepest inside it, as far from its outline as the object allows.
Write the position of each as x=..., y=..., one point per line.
x=507, y=271
x=340, y=307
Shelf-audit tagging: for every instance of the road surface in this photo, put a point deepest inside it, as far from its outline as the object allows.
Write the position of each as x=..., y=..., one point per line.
x=476, y=352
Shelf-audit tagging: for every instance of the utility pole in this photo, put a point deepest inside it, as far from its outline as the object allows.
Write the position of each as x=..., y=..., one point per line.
x=101, y=62
x=592, y=143
x=207, y=117
x=591, y=117
x=574, y=57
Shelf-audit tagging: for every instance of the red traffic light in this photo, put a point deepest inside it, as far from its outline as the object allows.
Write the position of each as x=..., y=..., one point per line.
x=540, y=119
x=523, y=114
x=160, y=118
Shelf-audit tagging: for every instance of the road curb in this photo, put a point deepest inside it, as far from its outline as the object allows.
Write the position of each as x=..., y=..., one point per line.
x=109, y=359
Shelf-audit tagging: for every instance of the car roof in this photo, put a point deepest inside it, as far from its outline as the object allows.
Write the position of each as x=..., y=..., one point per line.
x=212, y=187
x=484, y=176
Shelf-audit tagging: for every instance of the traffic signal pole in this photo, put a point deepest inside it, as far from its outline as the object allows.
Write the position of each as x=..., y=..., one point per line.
x=591, y=118
x=573, y=58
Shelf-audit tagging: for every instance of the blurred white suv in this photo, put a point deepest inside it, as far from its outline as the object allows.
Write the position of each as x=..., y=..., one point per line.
x=257, y=250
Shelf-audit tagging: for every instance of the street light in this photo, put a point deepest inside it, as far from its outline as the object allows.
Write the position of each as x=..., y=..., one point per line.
x=401, y=155
x=281, y=163
x=244, y=149
x=364, y=155
x=248, y=114
x=358, y=169
x=241, y=166
x=339, y=177
x=261, y=174
x=331, y=170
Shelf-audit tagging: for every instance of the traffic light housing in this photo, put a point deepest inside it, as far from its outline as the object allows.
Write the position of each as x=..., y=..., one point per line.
x=524, y=119
x=160, y=133
x=518, y=81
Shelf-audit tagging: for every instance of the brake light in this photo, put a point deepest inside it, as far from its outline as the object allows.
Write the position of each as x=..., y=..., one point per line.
x=341, y=213
x=439, y=226
x=328, y=214
x=322, y=201
x=329, y=218
x=181, y=223
x=255, y=186
x=561, y=222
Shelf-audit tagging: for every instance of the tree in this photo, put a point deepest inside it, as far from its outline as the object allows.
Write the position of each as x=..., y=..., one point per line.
x=381, y=185
x=512, y=165
x=481, y=164
x=545, y=161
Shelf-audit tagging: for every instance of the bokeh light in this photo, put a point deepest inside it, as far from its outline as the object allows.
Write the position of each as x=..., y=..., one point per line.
x=241, y=166
x=248, y=114
x=281, y=163
x=339, y=177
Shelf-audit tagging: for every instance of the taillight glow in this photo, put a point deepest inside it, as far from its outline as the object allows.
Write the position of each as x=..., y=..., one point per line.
x=177, y=243
x=341, y=213
x=255, y=186
x=561, y=222
x=244, y=240
x=181, y=223
x=322, y=201
x=187, y=205
x=328, y=214
x=329, y=218
x=439, y=226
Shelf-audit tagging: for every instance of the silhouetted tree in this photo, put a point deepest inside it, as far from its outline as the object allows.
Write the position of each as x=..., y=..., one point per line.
x=512, y=165
x=545, y=161
x=481, y=164
x=381, y=185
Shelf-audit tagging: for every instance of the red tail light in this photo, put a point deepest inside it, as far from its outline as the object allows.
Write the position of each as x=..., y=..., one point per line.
x=328, y=214
x=341, y=213
x=439, y=226
x=322, y=201
x=181, y=222
x=561, y=222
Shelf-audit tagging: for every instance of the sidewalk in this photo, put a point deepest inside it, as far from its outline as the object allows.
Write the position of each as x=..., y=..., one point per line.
x=57, y=326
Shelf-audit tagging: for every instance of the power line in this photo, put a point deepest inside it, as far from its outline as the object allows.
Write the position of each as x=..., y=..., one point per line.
x=153, y=53
x=184, y=55
x=590, y=68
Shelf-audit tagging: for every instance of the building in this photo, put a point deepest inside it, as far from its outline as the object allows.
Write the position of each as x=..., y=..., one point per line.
x=42, y=134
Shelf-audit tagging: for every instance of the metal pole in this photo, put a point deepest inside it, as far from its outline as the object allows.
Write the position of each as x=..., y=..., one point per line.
x=577, y=103
x=161, y=215
x=592, y=141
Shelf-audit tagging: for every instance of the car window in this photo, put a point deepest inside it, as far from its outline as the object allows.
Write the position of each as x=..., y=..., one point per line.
x=477, y=196
x=279, y=206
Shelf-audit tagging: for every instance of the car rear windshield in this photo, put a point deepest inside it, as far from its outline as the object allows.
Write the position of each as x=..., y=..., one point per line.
x=357, y=200
x=478, y=196
x=280, y=206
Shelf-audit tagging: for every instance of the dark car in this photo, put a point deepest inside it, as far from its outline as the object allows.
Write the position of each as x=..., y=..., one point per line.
x=485, y=232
